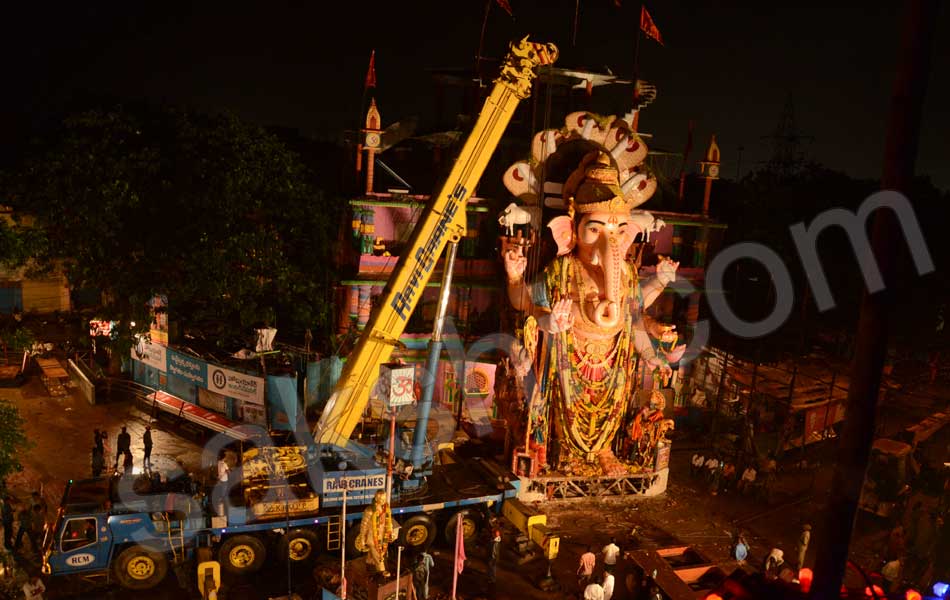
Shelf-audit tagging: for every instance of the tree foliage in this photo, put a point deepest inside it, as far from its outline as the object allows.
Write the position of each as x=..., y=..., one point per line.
x=12, y=440
x=215, y=213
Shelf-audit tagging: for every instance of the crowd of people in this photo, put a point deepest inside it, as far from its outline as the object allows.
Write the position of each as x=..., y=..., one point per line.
x=24, y=519
x=721, y=475
x=917, y=548
x=24, y=526
x=123, y=451
x=601, y=586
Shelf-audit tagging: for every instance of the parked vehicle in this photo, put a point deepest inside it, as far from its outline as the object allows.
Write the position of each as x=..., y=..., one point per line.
x=291, y=500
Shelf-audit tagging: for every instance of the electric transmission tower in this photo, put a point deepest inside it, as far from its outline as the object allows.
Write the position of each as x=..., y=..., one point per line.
x=788, y=155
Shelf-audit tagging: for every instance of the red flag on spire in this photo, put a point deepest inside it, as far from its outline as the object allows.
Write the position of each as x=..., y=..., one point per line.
x=371, y=72
x=648, y=26
x=505, y=6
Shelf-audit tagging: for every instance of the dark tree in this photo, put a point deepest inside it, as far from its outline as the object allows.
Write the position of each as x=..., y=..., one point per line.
x=215, y=213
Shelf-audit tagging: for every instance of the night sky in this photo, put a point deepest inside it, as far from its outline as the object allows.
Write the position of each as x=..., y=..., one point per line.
x=302, y=64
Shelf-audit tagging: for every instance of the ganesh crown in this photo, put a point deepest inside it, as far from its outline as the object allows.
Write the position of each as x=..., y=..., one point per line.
x=595, y=187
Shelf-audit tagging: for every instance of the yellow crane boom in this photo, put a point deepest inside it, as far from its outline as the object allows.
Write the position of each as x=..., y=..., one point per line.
x=442, y=221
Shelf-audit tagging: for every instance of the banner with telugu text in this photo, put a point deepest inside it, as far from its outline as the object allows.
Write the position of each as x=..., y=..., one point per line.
x=187, y=367
x=153, y=355
x=236, y=385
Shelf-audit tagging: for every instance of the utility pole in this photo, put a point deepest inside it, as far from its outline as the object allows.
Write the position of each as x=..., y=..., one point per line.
x=900, y=152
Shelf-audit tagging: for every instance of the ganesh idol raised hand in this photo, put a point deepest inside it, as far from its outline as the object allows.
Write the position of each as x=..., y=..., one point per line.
x=590, y=302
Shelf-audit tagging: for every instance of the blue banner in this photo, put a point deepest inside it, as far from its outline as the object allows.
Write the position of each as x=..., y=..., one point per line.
x=187, y=367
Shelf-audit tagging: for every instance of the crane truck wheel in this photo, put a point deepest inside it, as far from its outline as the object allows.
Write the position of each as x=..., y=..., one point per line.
x=417, y=532
x=299, y=545
x=242, y=554
x=139, y=568
x=471, y=525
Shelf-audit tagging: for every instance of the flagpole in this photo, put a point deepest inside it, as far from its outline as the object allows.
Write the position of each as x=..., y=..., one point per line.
x=481, y=40
x=689, y=146
x=398, y=569
x=636, y=48
x=636, y=72
x=343, y=545
x=577, y=14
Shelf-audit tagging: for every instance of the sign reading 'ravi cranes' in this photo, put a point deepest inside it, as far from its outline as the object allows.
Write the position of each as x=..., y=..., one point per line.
x=358, y=484
x=236, y=385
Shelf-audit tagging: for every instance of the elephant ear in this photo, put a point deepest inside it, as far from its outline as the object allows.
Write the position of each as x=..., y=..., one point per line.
x=562, y=228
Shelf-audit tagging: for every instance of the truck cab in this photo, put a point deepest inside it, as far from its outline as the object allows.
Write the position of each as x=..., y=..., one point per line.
x=886, y=481
x=95, y=534
x=79, y=540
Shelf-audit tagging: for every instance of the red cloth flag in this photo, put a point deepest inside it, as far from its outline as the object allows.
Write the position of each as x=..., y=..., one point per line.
x=371, y=72
x=505, y=6
x=459, y=553
x=648, y=26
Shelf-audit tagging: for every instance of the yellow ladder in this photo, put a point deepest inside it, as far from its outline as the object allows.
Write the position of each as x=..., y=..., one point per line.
x=334, y=531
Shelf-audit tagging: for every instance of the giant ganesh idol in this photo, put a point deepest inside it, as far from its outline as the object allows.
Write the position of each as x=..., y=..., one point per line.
x=586, y=305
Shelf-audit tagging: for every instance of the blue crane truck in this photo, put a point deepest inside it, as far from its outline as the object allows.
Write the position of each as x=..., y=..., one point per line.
x=104, y=528
x=290, y=500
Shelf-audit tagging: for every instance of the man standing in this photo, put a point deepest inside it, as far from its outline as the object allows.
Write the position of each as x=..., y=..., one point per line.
x=123, y=443
x=712, y=467
x=803, y=541
x=586, y=567
x=25, y=527
x=221, y=490
x=773, y=564
x=611, y=551
x=728, y=476
x=608, y=585
x=7, y=512
x=98, y=461
x=37, y=500
x=696, y=465
x=594, y=591
x=420, y=575
x=39, y=527
x=741, y=549
x=147, y=441
x=494, y=552
x=748, y=479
